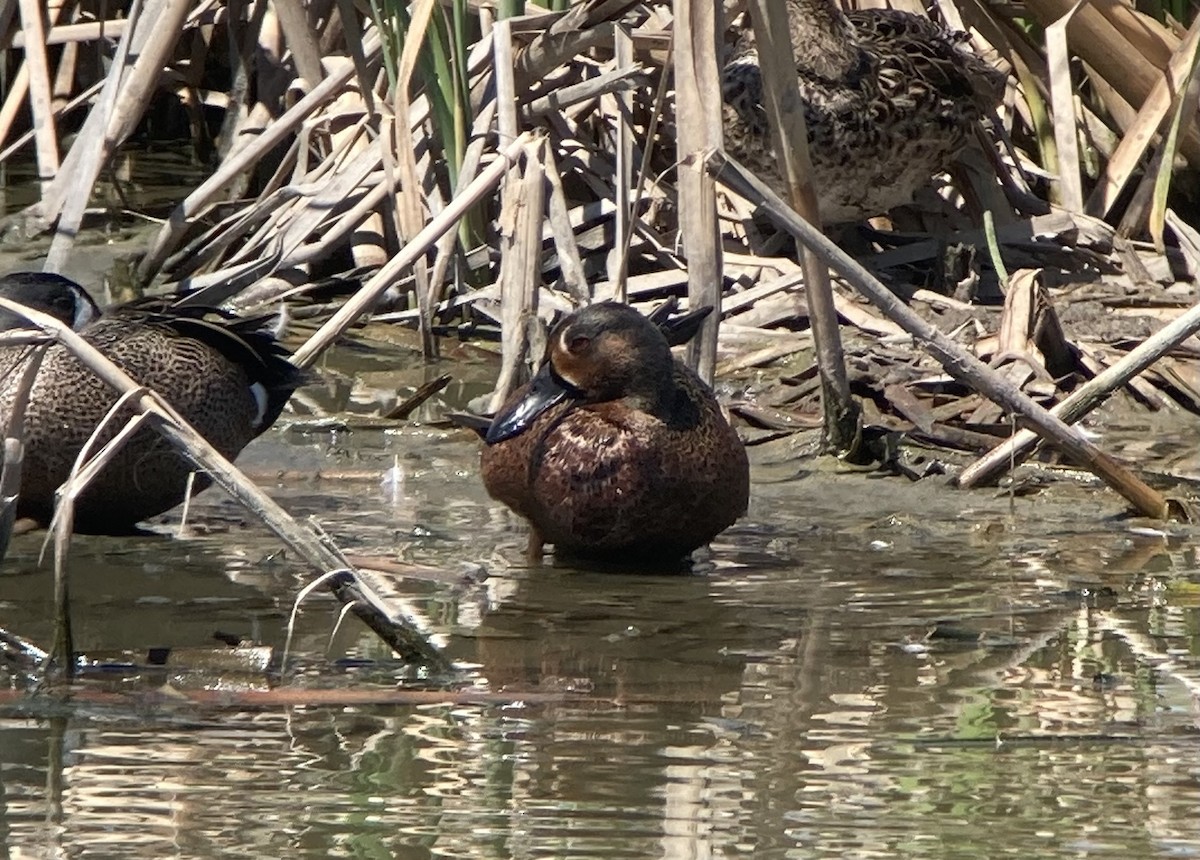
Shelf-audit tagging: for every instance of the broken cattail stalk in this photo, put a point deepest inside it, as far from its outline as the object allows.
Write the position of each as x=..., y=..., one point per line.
x=789, y=134
x=956, y=361
x=558, y=213
x=520, y=271
x=1127, y=158
x=698, y=129
x=1085, y=398
x=159, y=415
x=89, y=165
x=40, y=100
x=153, y=40
x=623, y=176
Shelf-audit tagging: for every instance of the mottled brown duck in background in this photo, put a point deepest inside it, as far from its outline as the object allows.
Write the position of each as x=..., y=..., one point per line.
x=889, y=99
x=228, y=377
x=616, y=451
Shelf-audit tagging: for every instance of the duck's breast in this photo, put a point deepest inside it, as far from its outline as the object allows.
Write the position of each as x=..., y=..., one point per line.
x=607, y=478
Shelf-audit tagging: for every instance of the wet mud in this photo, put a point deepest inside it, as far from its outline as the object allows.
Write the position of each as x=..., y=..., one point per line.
x=863, y=666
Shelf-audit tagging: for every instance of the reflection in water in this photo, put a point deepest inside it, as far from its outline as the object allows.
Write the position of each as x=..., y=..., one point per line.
x=843, y=678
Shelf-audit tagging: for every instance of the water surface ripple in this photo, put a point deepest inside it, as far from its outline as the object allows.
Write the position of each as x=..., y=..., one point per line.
x=862, y=668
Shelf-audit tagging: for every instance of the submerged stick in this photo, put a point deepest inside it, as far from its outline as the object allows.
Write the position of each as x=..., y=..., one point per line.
x=171, y=425
x=240, y=700
x=956, y=361
x=1085, y=398
x=402, y=410
x=22, y=653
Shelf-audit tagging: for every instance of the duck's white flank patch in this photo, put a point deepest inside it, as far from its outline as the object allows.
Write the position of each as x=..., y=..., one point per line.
x=260, y=398
x=85, y=310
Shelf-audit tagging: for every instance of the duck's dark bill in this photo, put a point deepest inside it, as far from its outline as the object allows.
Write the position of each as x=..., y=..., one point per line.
x=544, y=391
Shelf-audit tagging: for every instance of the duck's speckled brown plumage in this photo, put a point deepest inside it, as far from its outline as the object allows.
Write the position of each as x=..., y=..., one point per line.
x=204, y=365
x=639, y=465
x=889, y=99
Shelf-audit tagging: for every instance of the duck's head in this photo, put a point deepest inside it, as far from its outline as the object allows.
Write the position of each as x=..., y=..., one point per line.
x=49, y=293
x=606, y=351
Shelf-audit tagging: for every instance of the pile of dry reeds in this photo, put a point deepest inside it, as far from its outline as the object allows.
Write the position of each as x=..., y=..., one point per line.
x=503, y=168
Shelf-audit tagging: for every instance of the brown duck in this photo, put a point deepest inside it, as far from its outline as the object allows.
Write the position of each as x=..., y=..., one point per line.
x=228, y=377
x=889, y=99
x=616, y=451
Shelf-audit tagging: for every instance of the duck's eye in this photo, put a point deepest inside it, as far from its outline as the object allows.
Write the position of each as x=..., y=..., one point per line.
x=578, y=344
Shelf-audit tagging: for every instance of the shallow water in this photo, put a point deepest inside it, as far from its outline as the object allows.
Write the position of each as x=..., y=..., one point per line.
x=862, y=667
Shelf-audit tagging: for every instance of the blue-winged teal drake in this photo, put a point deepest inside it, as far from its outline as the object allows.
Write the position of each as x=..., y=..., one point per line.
x=615, y=450
x=889, y=99
x=228, y=377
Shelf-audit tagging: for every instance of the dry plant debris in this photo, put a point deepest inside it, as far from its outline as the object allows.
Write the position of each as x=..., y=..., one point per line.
x=497, y=172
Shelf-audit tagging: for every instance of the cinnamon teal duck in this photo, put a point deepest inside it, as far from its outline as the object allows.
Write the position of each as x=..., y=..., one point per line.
x=889, y=99
x=228, y=377
x=614, y=450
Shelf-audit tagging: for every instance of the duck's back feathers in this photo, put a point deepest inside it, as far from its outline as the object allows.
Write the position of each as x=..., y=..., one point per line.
x=228, y=377
x=919, y=56
x=246, y=342
x=889, y=98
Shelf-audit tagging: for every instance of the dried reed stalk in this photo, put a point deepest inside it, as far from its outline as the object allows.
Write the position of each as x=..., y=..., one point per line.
x=1062, y=99
x=158, y=414
x=244, y=160
x=1128, y=155
x=408, y=208
x=306, y=53
x=785, y=114
x=364, y=299
x=153, y=41
x=1110, y=54
x=40, y=99
x=14, y=443
x=93, y=159
x=698, y=130
x=1085, y=398
x=520, y=270
x=956, y=361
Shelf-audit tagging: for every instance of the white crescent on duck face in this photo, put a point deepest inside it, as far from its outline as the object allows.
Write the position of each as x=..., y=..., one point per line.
x=889, y=99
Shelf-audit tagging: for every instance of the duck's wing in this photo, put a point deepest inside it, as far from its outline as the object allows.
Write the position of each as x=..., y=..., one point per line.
x=920, y=59
x=248, y=342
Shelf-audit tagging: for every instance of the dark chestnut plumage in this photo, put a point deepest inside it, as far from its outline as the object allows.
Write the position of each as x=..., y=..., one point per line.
x=615, y=450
